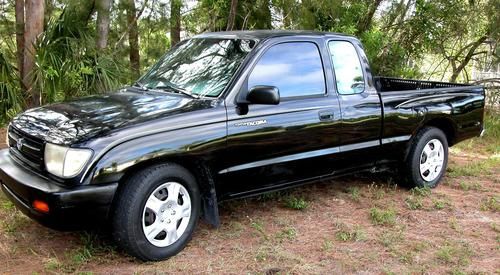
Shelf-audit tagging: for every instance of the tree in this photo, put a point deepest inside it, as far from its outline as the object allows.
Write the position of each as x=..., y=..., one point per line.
x=133, y=39
x=20, y=38
x=103, y=11
x=232, y=15
x=175, y=22
x=34, y=10
x=366, y=21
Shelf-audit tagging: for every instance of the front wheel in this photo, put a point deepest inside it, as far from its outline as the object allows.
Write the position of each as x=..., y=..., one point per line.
x=427, y=159
x=156, y=212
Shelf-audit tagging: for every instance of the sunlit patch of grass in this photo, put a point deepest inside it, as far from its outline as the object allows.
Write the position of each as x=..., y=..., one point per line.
x=441, y=204
x=453, y=223
x=383, y=216
x=52, y=264
x=345, y=233
x=414, y=202
x=457, y=253
x=378, y=192
x=491, y=204
x=327, y=245
x=490, y=142
x=389, y=238
x=288, y=233
x=475, y=168
x=416, y=198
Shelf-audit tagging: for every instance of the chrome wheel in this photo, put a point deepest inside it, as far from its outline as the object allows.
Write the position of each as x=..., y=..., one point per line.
x=431, y=160
x=166, y=214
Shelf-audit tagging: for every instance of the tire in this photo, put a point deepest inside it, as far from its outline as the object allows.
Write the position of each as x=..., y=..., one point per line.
x=426, y=164
x=136, y=212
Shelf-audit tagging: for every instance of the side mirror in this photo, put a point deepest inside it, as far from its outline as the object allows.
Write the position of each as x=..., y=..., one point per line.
x=268, y=95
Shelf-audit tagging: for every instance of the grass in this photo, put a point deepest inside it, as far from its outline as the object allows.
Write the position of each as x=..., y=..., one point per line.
x=490, y=142
x=473, y=169
x=345, y=234
x=288, y=233
x=389, y=238
x=382, y=216
x=327, y=245
x=416, y=198
x=441, y=204
x=490, y=204
x=467, y=186
x=354, y=193
x=414, y=202
x=296, y=203
x=457, y=253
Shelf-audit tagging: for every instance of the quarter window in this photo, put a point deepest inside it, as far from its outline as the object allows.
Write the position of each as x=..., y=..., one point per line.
x=294, y=67
x=347, y=67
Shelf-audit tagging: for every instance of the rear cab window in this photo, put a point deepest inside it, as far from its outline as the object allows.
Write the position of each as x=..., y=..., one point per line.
x=295, y=68
x=349, y=77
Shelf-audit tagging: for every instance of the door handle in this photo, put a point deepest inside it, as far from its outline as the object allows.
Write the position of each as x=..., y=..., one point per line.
x=326, y=115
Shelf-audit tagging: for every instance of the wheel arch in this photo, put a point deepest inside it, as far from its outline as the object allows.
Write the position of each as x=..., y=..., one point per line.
x=446, y=125
x=200, y=170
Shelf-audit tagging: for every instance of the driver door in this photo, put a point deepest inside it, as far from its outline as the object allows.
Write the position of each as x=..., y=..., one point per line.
x=274, y=146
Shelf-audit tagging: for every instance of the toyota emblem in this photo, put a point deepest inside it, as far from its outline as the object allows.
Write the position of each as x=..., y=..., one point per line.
x=20, y=143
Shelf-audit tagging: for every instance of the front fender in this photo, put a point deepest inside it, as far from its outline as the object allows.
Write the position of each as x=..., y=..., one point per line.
x=205, y=142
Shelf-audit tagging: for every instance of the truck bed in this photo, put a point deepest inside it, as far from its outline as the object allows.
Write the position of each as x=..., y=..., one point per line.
x=407, y=104
x=391, y=84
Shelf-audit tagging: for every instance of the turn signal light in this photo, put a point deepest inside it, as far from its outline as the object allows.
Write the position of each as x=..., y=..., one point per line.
x=41, y=206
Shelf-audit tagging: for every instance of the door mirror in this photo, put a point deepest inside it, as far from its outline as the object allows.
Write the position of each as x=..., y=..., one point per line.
x=268, y=95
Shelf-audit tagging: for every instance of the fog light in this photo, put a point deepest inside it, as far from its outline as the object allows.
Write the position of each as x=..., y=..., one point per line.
x=41, y=206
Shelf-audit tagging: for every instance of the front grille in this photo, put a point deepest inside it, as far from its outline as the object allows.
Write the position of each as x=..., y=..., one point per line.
x=27, y=149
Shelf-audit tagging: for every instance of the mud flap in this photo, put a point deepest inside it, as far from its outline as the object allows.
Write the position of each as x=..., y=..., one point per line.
x=210, y=207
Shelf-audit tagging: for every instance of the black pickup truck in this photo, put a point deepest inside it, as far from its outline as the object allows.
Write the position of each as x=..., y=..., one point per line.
x=222, y=116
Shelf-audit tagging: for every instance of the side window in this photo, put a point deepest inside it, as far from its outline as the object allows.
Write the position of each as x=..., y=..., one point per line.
x=294, y=67
x=348, y=70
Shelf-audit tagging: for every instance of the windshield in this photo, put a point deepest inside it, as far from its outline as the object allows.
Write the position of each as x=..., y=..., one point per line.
x=199, y=66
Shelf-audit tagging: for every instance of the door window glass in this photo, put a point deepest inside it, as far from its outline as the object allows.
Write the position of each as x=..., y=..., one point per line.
x=347, y=67
x=295, y=68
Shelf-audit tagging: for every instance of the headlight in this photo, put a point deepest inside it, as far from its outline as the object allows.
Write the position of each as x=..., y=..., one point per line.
x=65, y=162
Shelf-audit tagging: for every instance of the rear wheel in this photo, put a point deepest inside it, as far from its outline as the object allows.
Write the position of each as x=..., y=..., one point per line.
x=427, y=159
x=156, y=212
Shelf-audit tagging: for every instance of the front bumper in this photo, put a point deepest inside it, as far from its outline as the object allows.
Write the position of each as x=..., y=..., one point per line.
x=69, y=206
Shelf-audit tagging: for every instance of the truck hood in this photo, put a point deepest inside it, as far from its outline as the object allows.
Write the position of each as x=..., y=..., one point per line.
x=77, y=120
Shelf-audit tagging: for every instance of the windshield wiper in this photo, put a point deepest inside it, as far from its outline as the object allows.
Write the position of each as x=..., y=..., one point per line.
x=140, y=85
x=176, y=89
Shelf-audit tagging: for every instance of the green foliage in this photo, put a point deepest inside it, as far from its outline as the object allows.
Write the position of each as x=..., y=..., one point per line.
x=411, y=39
x=11, y=102
x=69, y=66
x=383, y=216
x=491, y=204
x=296, y=203
x=345, y=234
x=457, y=253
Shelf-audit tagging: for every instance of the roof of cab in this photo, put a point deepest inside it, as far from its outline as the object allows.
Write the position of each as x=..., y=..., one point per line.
x=263, y=34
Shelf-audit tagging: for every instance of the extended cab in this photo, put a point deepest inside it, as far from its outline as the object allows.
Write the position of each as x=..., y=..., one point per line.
x=222, y=116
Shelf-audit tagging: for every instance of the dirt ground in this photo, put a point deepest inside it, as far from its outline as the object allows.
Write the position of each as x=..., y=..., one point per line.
x=362, y=224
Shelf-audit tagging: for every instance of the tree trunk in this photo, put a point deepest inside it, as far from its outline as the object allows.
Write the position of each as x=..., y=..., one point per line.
x=232, y=15
x=20, y=39
x=175, y=22
x=103, y=9
x=472, y=48
x=365, y=23
x=133, y=39
x=33, y=28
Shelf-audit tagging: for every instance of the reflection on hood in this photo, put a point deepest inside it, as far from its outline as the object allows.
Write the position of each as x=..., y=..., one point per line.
x=67, y=122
